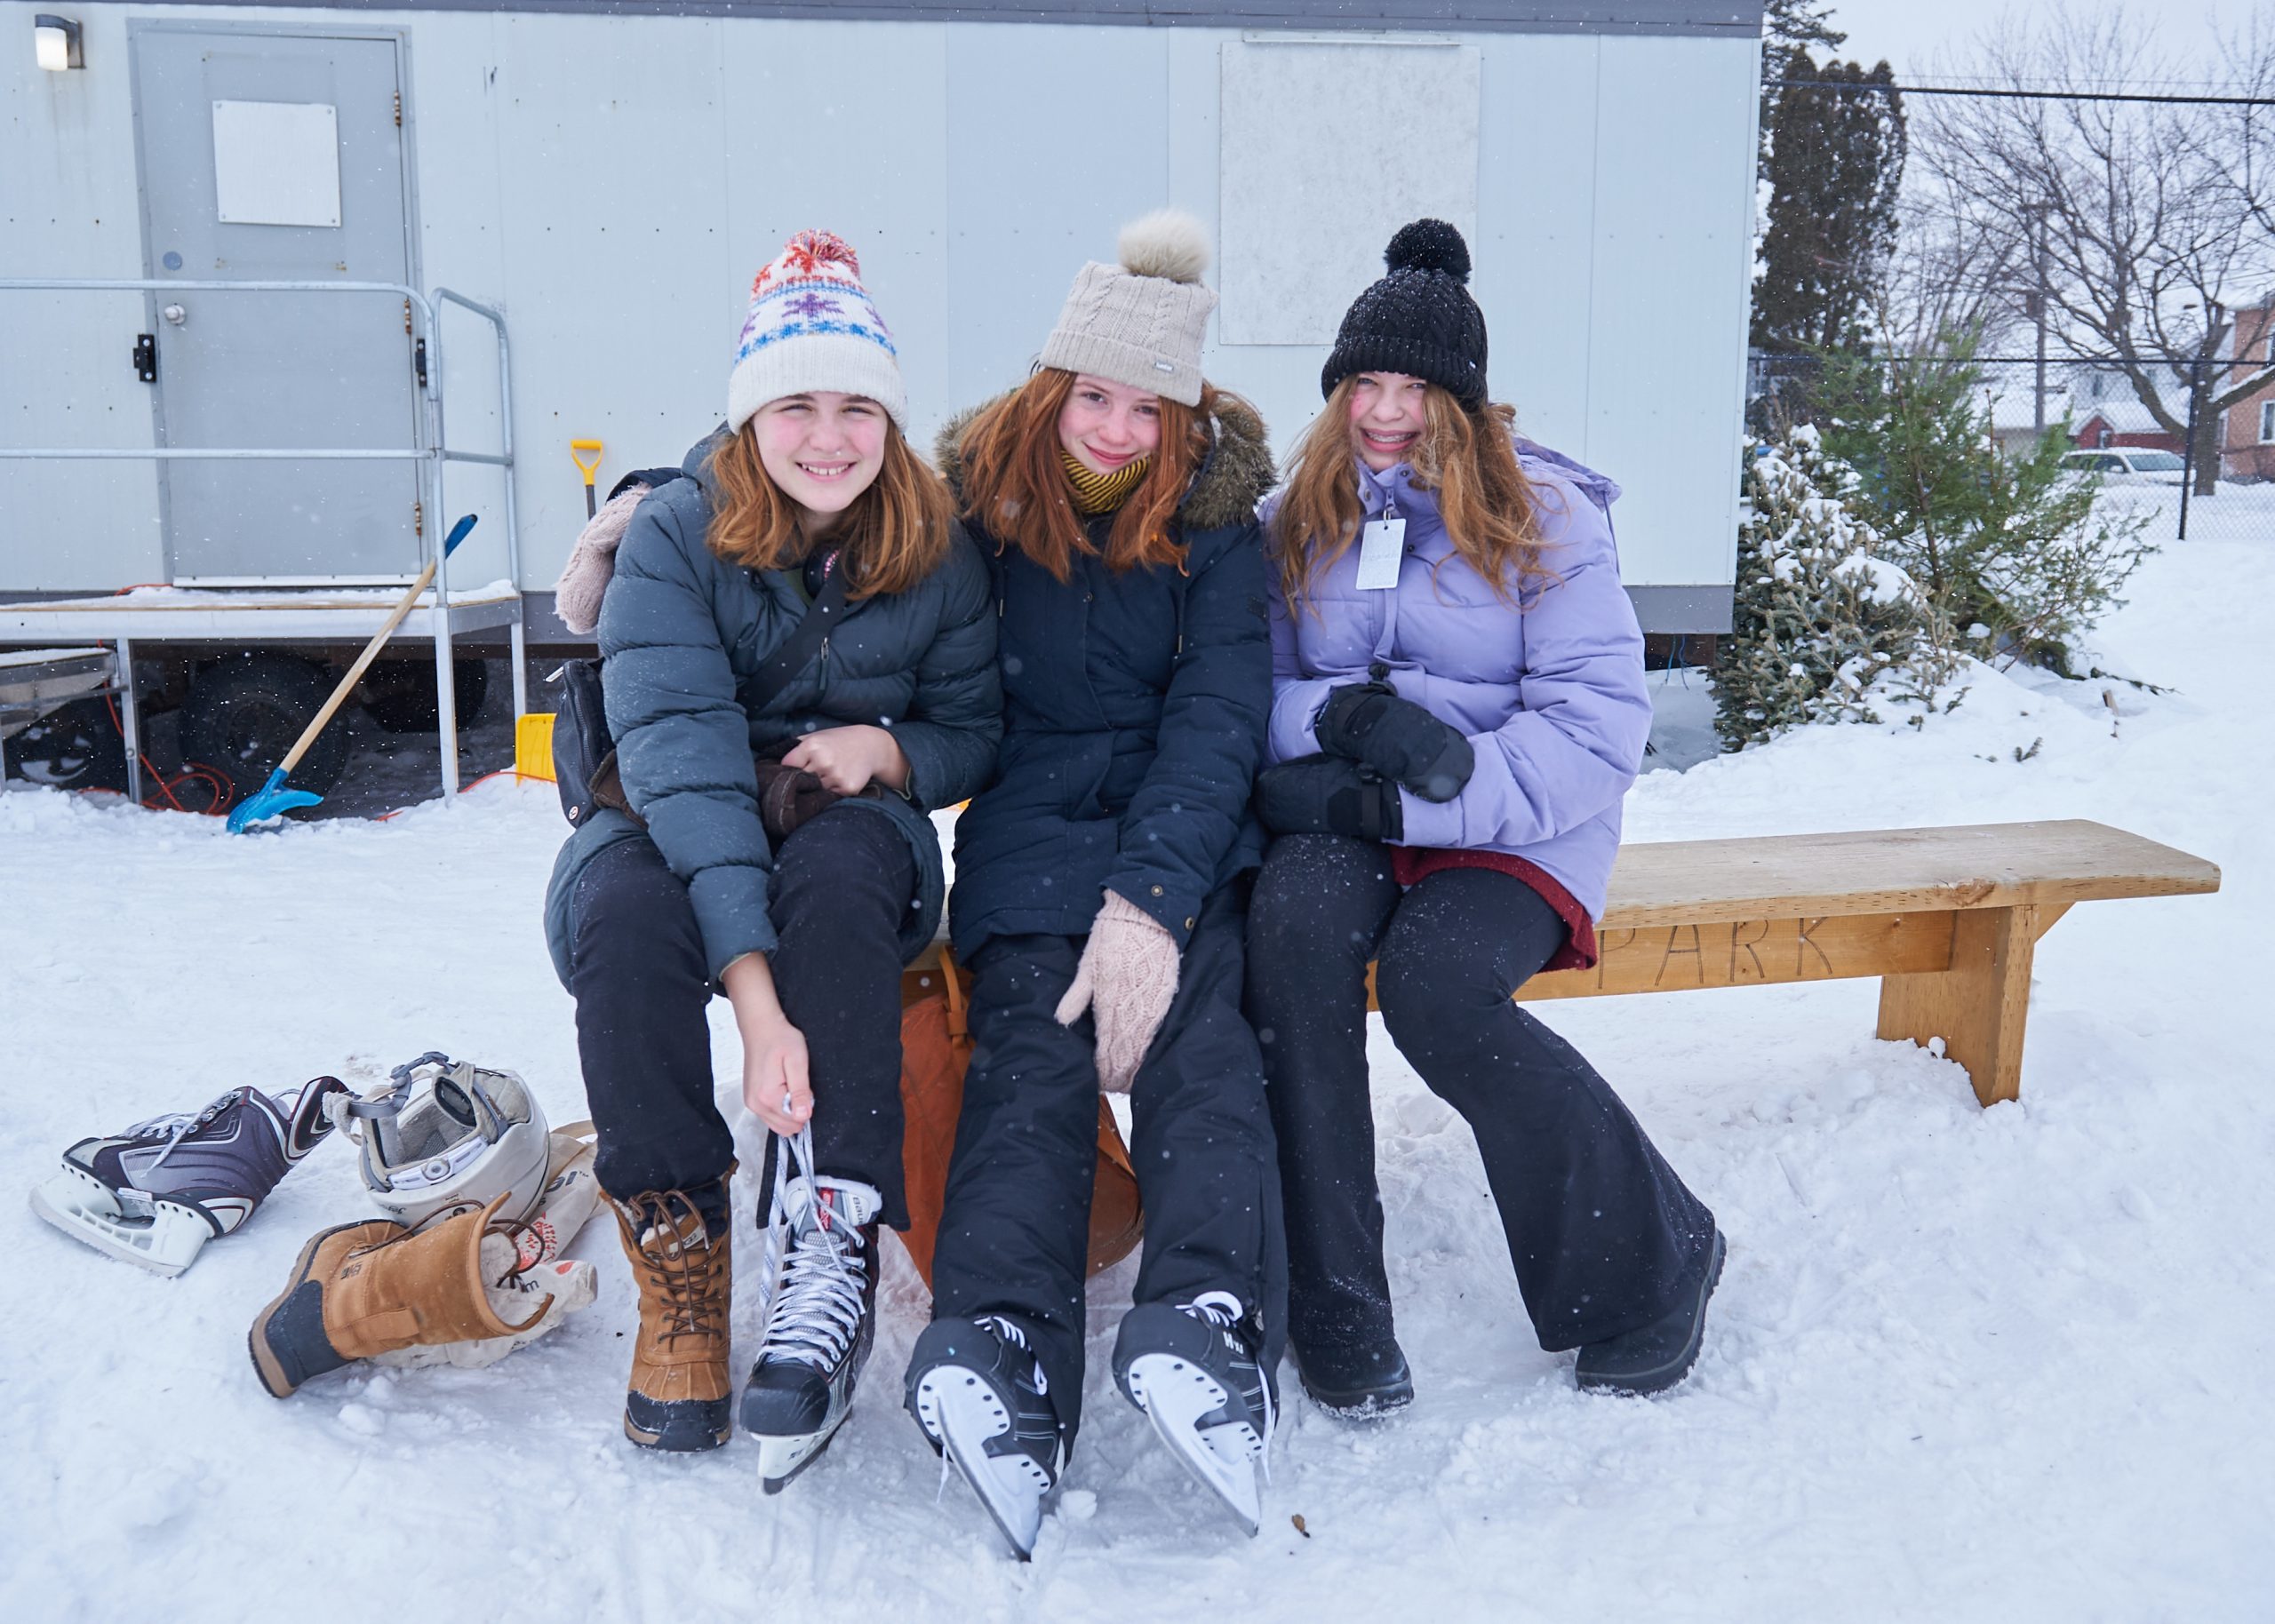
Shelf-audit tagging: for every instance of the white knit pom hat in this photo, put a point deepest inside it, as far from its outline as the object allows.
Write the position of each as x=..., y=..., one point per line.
x=1139, y=322
x=812, y=326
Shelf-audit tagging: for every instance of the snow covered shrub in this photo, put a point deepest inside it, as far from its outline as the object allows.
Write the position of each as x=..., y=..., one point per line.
x=2011, y=551
x=1823, y=626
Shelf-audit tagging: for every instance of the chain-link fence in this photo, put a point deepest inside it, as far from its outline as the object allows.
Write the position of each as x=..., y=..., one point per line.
x=2138, y=430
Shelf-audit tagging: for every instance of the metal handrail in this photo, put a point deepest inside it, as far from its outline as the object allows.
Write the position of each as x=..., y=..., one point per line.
x=429, y=445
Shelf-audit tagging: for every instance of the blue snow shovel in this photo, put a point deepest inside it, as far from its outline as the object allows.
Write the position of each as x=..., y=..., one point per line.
x=272, y=798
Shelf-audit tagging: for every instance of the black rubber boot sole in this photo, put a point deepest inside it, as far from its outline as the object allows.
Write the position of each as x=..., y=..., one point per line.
x=1659, y=1378
x=287, y=1340
x=683, y=1426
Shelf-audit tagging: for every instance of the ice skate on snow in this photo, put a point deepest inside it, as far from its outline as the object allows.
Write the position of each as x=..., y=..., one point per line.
x=984, y=1402
x=1192, y=1370
x=156, y=1193
x=820, y=1314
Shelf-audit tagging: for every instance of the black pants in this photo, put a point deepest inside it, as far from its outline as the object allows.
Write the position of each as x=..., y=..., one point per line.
x=842, y=884
x=1604, y=1235
x=1015, y=1233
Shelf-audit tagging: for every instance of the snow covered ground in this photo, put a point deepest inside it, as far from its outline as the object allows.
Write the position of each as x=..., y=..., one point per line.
x=1964, y=1364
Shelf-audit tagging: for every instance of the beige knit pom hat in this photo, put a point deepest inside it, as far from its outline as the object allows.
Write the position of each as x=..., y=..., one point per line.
x=1139, y=322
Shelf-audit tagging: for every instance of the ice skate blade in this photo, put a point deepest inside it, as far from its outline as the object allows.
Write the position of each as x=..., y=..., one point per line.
x=85, y=1209
x=963, y=1413
x=1175, y=1394
x=782, y=1457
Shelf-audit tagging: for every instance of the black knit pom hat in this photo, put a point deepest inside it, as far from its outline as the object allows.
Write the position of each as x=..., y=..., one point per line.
x=1418, y=320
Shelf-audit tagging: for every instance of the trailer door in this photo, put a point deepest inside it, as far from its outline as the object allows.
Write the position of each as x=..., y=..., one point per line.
x=279, y=156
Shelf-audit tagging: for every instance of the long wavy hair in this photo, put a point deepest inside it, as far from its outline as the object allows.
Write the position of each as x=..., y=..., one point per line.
x=1015, y=487
x=1489, y=507
x=896, y=533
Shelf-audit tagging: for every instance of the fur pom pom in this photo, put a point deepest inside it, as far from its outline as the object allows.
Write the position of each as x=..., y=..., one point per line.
x=1429, y=245
x=1168, y=242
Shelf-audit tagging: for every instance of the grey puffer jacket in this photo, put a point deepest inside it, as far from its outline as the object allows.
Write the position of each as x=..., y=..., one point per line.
x=683, y=634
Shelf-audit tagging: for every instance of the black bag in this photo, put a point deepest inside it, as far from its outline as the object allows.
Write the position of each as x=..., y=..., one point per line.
x=584, y=755
x=580, y=736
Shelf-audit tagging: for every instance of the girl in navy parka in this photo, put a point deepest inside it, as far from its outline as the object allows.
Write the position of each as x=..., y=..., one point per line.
x=1101, y=880
x=1458, y=709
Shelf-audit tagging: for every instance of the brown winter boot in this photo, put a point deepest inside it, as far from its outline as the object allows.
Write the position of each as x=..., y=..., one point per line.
x=678, y=1395
x=365, y=1288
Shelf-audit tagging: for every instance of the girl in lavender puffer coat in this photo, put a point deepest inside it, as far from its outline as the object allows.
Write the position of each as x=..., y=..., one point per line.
x=1459, y=708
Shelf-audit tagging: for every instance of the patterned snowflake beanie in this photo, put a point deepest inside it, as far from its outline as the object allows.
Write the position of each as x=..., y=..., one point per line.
x=812, y=326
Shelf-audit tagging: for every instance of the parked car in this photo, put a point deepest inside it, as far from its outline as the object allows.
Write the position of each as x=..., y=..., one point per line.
x=2121, y=464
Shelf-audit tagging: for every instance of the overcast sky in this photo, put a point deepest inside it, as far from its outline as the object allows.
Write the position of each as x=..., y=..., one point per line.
x=1910, y=33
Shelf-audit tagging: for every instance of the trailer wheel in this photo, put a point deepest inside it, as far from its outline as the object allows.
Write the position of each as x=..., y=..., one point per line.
x=243, y=713
x=402, y=698
x=74, y=746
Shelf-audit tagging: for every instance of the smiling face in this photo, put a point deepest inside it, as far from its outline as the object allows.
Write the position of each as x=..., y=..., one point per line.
x=1106, y=425
x=1389, y=415
x=822, y=450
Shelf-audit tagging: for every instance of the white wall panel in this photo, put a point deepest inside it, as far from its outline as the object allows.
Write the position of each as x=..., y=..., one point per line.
x=1057, y=136
x=614, y=182
x=68, y=209
x=1672, y=266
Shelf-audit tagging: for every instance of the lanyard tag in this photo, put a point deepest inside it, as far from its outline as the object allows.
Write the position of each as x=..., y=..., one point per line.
x=1382, y=547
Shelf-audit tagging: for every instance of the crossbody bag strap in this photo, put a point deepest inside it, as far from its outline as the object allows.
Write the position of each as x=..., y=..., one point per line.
x=807, y=639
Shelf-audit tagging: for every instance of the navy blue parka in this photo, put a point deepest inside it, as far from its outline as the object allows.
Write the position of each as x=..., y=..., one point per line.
x=1135, y=711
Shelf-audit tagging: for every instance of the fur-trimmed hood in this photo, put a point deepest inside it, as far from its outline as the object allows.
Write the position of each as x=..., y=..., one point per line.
x=1232, y=479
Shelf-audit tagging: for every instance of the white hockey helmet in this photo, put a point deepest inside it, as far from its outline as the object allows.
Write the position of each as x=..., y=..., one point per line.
x=447, y=1136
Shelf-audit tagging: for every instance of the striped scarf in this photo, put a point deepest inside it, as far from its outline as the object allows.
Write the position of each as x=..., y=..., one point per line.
x=1097, y=493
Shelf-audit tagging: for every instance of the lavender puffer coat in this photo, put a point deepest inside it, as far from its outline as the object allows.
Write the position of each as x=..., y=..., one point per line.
x=1553, y=698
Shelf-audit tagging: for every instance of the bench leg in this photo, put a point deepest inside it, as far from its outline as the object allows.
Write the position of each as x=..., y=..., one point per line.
x=1980, y=1005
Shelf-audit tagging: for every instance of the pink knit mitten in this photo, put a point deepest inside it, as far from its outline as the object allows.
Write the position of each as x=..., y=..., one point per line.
x=1126, y=979
x=592, y=563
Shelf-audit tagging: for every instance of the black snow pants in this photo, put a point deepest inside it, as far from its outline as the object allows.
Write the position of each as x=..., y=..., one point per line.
x=1604, y=1235
x=1015, y=1233
x=841, y=886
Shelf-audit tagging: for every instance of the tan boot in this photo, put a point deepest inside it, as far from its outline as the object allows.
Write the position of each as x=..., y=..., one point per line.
x=365, y=1288
x=678, y=1395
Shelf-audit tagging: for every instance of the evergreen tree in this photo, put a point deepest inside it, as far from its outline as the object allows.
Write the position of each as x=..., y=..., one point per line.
x=1788, y=26
x=1835, y=166
x=1822, y=628
x=2012, y=550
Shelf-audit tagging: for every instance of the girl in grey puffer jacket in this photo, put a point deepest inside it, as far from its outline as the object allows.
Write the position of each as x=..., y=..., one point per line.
x=1459, y=708
x=769, y=840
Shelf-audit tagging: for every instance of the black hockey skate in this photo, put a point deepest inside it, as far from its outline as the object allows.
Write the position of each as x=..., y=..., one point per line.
x=821, y=1315
x=156, y=1193
x=1193, y=1369
x=983, y=1401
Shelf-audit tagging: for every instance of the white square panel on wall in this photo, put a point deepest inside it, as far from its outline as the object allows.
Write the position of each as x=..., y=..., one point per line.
x=1325, y=150
x=276, y=163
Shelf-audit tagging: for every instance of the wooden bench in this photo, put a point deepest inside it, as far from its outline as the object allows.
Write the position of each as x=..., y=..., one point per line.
x=1948, y=918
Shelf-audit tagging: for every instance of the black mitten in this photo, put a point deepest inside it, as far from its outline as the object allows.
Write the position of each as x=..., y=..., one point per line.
x=1369, y=722
x=1328, y=795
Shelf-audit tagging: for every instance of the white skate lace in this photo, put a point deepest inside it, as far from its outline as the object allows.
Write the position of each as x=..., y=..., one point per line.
x=176, y=1125
x=816, y=1312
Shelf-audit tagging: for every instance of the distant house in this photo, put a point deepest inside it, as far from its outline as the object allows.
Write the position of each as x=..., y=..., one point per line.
x=2106, y=411
x=2122, y=423
x=2248, y=445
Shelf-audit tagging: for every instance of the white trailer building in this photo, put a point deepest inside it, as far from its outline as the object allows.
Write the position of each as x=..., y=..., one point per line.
x=609, y=174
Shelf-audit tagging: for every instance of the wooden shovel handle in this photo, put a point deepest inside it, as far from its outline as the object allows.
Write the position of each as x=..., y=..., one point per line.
x=363, y=664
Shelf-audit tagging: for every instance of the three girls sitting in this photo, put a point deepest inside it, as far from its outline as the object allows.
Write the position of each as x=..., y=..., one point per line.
x=1417, y=670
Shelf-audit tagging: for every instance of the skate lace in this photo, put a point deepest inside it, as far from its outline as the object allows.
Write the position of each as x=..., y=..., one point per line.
x=816, y=1309
x=175, y=1126
x=681, y=1272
